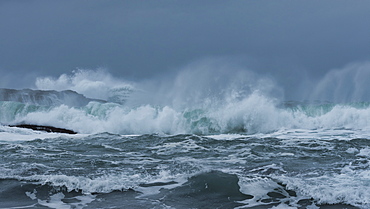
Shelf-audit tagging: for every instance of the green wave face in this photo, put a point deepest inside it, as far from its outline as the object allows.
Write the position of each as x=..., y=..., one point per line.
x=245, y=116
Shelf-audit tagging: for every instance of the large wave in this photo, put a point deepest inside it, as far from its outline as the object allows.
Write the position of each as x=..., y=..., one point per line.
x=202, y=98
x=255, y=113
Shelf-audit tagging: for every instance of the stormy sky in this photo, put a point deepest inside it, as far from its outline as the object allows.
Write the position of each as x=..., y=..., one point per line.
x=288, y=40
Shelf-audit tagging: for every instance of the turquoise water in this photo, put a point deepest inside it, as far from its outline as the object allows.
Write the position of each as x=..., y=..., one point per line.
x=252, y=152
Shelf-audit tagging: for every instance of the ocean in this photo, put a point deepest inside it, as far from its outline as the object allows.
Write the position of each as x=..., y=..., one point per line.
x=251, y=151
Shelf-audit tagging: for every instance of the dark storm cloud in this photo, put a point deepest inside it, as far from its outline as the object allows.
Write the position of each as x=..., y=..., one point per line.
x=139, y=39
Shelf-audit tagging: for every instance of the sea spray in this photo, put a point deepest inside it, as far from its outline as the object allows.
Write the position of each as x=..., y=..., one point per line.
x=347, y=84
x=165, y=146
x=97, y=84
x=254, y=114
x=203, y=98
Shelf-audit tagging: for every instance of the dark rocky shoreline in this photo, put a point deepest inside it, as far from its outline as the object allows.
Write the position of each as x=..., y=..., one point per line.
x=50, y=129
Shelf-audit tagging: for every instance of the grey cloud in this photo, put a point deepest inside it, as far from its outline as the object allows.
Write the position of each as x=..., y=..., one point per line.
x=288, y=40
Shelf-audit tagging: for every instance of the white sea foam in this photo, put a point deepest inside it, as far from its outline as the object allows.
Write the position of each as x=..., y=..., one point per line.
x=55, y=201
x=348, y=187
x=364, y=152
x=351, y=150
x=283, y=206
x=259, y=188
x=109, y=182
x=202, y=98
x=21, y=134
x=253, y=114
x=103, y=184
x=242, y=106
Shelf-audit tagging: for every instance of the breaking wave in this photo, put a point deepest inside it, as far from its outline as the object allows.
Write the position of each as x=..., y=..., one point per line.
x=253, y=114
x=201, y=99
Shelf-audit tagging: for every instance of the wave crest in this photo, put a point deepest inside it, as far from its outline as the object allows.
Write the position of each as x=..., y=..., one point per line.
x=253, y=114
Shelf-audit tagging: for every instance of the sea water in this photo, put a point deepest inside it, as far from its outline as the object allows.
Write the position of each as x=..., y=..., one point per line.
x=248, y=150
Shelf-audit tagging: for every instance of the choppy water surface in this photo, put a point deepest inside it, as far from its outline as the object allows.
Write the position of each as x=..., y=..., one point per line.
x=285, y=169
x=243, y=151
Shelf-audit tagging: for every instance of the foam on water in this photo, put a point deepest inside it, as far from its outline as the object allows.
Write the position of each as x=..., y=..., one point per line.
x=201, y=99
x=260, y=171
x=254, y=114
x=233, y=144
x=21, y=134
x=55, y=201
x=348, y=187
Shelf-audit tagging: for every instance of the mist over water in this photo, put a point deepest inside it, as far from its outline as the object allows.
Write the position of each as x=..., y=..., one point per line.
x=204, y=97
x=97, y=84
x=204, y=83
x=349, y=84
x=177, y=139
x=196, y=99
x=193, y=85
x=217, y=80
